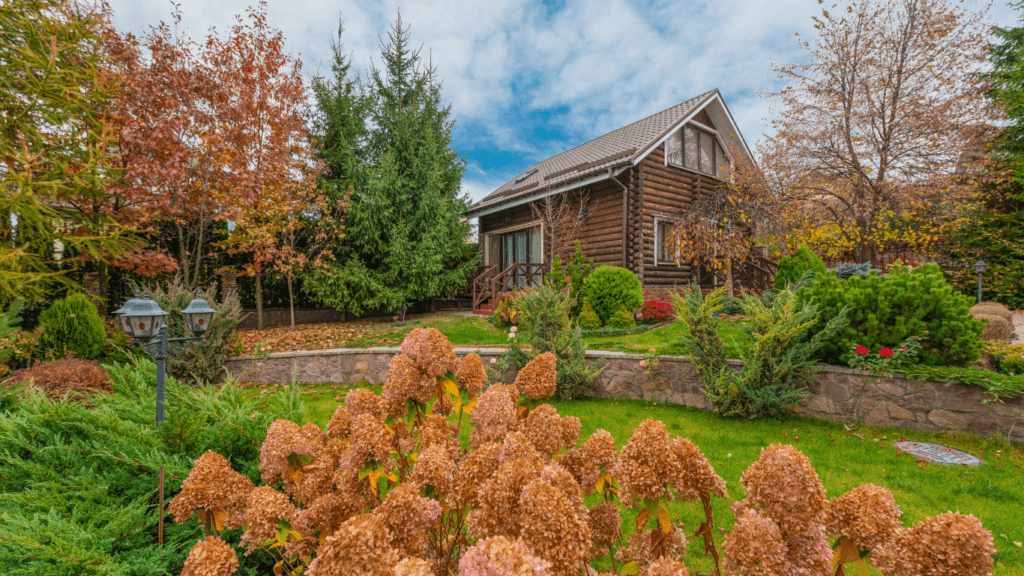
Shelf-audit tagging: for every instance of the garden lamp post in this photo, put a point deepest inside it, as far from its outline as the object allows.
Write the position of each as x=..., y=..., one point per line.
x=979, y=266
x=143, y=320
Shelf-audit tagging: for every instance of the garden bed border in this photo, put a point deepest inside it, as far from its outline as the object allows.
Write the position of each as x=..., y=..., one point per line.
x=839, y=393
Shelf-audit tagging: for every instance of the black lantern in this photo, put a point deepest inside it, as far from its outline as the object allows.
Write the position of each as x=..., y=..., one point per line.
x=198, y=315
x=141, y=318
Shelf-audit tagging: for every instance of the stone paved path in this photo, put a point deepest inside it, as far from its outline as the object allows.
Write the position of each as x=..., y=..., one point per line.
x=1018, y=328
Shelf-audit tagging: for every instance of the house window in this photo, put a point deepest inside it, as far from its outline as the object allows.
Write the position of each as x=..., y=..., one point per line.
x=666, y=250
x=519, y=247
x=696, y=150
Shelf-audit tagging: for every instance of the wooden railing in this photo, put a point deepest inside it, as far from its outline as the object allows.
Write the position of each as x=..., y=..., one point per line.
x=482, y=285
x=517, y=276
x=755, y=274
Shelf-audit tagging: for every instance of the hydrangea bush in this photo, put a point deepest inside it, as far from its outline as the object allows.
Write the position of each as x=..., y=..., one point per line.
x=388, y=490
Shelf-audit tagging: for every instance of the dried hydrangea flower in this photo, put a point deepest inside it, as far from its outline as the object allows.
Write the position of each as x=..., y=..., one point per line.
x=340, y=422
x=412, y=567
x=369, y=440
x=665, y=567
x=443, y=405
x=493, y=416
x=696, y=476
x=537, y=379
x=361, y=546
x=471, y=374
x=649, y=545
x=497, y=510
x=306, y=545
x=582, y=468
x=436, y=431
x=408, y=515
x=433, y=353
x=518, y=446
x=266, y=508
x=755, y=547
x=501, y=556
x=605, y=528
x=317, y=477
x=210, y=557
x=868, y=515
x=326, y=513
x=810, y=552
x=212, y=485
x=285, y=438
x=552, y=529
x=785, y=487
x=600, y=447
x=363, y=401
x=403, y=381
x=473, y=471
x=435, y=468
x=569, y=427
x=950, y=544
x=647, y=464
x=543, y=429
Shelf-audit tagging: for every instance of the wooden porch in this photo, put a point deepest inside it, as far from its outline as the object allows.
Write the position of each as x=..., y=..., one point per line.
x=491, y=282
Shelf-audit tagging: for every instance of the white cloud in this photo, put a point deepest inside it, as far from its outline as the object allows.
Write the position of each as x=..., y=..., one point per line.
x=599, y=64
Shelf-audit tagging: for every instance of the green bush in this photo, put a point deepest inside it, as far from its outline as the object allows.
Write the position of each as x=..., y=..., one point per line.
x=622, y=319
x=792, y=268
x=885, y=310
x=205, y=361
x=731, y=306
x=588, y=319
x=72, y=325
x=609, y=287
x=778, y=365
x=78, y=489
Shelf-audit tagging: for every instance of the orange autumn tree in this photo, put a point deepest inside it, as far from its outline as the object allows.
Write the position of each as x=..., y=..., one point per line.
x=869, y=144
x=170, y=148
x=271, y=185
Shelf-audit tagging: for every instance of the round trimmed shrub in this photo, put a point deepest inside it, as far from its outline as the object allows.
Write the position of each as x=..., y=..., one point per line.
x=609, y=287
x=622, y=319
x=792, y=268
x=993, y=309
x=588, y=319
x=72, y=325
x=996, y=327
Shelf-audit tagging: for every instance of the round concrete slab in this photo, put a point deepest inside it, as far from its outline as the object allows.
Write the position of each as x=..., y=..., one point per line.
x=938, y=453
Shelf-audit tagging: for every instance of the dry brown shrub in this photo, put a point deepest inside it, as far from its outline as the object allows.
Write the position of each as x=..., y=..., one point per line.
x=993, y=309
x=435, y=468
x=266, y=507
x=212, y=486
x=340, y=423
x=552, y=528
x=536, y=380
x=582, y=467
x=644, y=548
x=755, y=547
x=412, y=567
x=363, y=401
x=210, y=557
x=696, y=476
x=473, y=471
x=430, y=349
x=784, y=486
x=497, y=510
x=665, y=567
x=471, y=374
x=436, y=431
x=950, y=544
x=369, y=440
x=493, y=416
x=360, y=547
x=605, y=527
x=71, y=377
x=996, y=327
x=543, y=427
x=408, y=515
x=868, y=515
x=647, y=464
x=285, y=438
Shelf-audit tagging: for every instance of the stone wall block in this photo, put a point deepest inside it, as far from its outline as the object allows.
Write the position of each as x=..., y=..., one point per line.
x=960, y=404
x=946, y=419
x=984, y=424
x=878, y=416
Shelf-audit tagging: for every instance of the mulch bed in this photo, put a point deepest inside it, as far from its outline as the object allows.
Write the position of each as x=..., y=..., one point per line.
x=71, y=377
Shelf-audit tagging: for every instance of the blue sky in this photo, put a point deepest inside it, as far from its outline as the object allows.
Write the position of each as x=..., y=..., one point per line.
x=529, y=79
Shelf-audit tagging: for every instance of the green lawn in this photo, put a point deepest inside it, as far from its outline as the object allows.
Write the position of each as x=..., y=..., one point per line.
x=844, y=459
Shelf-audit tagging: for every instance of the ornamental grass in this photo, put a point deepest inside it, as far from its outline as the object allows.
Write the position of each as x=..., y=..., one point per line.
x=388, y=490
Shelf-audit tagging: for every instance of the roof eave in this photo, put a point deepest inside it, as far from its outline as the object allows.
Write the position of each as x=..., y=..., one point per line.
x=526, y=197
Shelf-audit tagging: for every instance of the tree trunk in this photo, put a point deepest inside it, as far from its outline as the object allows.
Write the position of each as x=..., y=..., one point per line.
x=291, y=301
x=729, y=277
x=104, y=285
x=259, y=302
x=183, y=263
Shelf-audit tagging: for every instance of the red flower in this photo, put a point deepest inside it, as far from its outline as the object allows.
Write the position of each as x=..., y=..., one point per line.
x=904, y=349
x=885, y=352
x=861, y=351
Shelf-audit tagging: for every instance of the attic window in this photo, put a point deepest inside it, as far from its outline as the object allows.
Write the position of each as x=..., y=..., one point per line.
x=526, y=175
x=697, y=150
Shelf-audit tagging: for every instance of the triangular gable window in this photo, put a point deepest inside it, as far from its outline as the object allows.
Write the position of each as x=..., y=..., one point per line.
x=698, y=150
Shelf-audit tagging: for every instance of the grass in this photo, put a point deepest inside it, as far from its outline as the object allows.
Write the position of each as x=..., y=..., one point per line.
x=844, y=459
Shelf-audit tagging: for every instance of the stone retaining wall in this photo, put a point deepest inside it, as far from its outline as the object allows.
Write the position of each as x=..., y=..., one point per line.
x=839, y=394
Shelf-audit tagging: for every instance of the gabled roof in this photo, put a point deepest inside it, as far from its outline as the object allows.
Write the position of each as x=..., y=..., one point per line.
x=627, y=145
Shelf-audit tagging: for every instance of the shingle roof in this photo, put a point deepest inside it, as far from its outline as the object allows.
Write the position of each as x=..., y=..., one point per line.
x=593, y=157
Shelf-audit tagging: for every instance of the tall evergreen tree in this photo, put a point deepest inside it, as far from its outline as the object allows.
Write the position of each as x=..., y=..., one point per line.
x=405, y=231
x=996, y=232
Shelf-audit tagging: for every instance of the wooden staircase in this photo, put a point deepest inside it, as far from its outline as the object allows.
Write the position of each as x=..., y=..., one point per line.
x=490, y=283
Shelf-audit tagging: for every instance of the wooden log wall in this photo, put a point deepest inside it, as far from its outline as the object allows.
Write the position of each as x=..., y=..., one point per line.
x=667, y=190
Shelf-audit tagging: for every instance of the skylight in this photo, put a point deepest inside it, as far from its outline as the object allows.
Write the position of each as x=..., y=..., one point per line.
x=526, y=175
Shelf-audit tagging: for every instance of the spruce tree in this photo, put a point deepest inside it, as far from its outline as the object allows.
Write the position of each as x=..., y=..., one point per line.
x=404, y=230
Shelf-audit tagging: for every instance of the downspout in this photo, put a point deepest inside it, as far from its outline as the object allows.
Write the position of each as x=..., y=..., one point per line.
x=625, y=192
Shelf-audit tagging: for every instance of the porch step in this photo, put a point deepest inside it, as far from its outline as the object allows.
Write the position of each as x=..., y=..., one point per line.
x=485, y=309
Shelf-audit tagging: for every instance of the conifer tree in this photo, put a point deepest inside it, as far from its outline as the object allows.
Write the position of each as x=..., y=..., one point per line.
x=405, y=231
